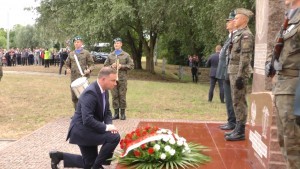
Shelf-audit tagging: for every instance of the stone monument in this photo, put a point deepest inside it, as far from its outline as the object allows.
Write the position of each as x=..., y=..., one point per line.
x=264, y=151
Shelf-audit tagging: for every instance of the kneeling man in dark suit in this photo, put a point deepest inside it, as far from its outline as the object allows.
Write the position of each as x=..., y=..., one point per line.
x=91, y=126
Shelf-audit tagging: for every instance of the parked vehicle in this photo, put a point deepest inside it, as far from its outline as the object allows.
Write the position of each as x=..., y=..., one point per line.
x=99, y=57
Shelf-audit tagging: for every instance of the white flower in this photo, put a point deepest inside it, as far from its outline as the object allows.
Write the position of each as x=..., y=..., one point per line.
x=158, y=131
x=167, y=148
x=163, y=130
x=165, y=138
x=187, y=148
x=156, y=147
x=170, y=132
x=176, y=136
x=172, y=141
x=179, y=142
x=163, y=156
x=172, y=152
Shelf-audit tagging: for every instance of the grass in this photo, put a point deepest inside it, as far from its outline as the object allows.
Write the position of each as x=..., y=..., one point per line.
x=28, y=101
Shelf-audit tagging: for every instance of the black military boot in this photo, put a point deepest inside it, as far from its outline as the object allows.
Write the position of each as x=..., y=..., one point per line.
x=116, y=116
x=123, y=117
x=232, y=131
x=238, y=135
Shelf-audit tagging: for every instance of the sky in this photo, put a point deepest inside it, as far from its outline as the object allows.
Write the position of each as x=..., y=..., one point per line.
x=12, y=12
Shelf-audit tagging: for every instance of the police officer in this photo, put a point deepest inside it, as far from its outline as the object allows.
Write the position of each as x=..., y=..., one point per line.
x=119, y=92
x=239, y=70
x=85, y=60
x=287, y=72
x=222, y=74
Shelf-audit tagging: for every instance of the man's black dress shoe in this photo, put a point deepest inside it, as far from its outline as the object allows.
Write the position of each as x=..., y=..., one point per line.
x=227, y=127
x=56, y=157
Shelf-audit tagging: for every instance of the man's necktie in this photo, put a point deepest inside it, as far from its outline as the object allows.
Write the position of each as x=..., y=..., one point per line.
x=104, y=102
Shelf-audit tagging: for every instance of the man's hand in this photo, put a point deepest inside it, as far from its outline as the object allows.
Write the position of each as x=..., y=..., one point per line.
x=114, y=65
x=111, y=128
x=68, y=71
x=298, y=120
x=87, y=71
x=239, y=83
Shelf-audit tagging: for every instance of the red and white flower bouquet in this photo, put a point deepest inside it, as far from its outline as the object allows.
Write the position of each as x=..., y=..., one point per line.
x=155, y=148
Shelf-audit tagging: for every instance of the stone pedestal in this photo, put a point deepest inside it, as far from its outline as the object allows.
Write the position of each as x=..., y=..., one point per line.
x=264, y=151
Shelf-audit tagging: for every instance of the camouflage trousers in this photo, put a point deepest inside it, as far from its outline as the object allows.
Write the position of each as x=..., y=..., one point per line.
x=74, y=99
x=119, y=95
x=288, y=130
x=239, y=99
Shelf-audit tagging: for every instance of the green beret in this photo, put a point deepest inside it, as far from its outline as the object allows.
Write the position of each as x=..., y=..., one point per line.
x=77, y=38
x=117, y=40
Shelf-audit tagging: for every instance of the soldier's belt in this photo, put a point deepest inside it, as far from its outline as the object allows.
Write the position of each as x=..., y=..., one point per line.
x=289, y=72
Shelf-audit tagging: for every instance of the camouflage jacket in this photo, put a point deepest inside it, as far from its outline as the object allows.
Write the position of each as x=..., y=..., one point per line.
x=124, y=59
x=289, y=58
x=241, y=53
x=85, y=60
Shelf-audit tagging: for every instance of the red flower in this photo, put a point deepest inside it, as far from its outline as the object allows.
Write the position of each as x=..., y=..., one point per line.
x=151, y=150
x=137, y=153
x=143, y=146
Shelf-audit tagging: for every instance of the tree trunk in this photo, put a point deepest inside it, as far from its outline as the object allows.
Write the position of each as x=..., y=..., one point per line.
x=150, y=52
x=137, y=51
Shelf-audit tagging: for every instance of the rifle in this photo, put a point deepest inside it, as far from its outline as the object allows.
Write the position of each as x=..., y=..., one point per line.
x=278, y=47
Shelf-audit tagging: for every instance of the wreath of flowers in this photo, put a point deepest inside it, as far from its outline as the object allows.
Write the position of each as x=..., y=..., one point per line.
x=156, y=148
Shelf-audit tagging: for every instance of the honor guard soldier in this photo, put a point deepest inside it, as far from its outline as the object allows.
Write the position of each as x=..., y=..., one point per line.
x=85, y=60
x=285, y=64
x=239, y=70
x=122, y=62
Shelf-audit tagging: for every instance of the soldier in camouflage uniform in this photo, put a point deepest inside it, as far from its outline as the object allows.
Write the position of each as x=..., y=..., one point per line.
x=119, y=92
x=239, y=70
x=86, y=63
x=287, y=74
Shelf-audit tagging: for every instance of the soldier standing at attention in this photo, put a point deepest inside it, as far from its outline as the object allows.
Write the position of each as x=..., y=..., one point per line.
x=287, y=71
x=85, y=60
x=239, y=70
x=119, y=92
x=222, y=74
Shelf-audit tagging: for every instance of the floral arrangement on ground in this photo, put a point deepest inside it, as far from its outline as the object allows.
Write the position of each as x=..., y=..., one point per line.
x=157, y=148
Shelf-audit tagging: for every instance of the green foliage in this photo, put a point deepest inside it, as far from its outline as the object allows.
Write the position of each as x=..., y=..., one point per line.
x=198, y=26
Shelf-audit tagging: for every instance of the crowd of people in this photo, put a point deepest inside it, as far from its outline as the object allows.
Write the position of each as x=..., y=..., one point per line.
x=28, y=56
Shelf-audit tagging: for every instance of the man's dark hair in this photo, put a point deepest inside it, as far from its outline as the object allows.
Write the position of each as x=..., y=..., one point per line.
x=106, y=71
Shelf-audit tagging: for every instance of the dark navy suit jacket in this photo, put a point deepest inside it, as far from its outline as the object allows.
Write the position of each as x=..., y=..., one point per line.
x=212, y=62
x=88, y=124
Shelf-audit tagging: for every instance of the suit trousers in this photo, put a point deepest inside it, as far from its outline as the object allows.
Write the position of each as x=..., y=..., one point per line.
x=90, y=156
x=228, y=101
x=213, y=81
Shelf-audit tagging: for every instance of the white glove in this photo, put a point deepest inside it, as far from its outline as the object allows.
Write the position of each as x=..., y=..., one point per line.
x=267, y=68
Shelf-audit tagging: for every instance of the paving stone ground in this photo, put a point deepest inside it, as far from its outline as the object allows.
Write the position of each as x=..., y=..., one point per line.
x=31, y=151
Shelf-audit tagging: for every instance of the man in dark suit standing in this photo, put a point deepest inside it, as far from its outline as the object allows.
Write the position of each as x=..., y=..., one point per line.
x=91, y=126
x=213, y=62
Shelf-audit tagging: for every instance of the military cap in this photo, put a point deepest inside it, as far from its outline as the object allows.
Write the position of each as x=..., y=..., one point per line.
x=77, y=38
x=117, y=40
x=231, y=15
x=244, y=11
